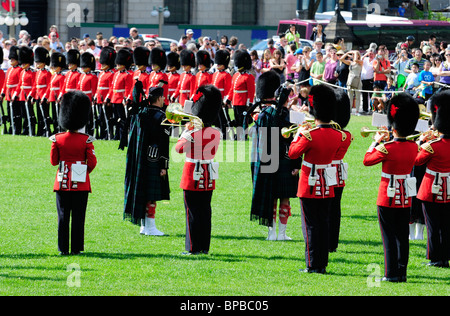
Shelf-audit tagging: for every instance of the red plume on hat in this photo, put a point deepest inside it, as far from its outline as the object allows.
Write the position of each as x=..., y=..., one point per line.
x=393, y=110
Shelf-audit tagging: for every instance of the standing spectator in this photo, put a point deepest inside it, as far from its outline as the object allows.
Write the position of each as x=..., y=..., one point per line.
x=53, y=29
x=208, y=47
x=412, y=81
x=417, y=59
x=330, y=74
x=381, y=67
x=318, y=34
x=256, y=64
x=278, y=65
x=444, y=70
x=426, y=79
x=55, y=44
x=190, y=35
x=317, y=68
x=291, y=59
x=354, y=83
x=183, y=41
x=94, y=50
x=305, y=66
x=367, y=79
x=265, y=60
x=292, y=36
x=401, y=62
x=233, y=43
x=134, y=34
x=435, y=64
x=5, y=62
x=270, y=46
x=342, y=69
x=317, y=48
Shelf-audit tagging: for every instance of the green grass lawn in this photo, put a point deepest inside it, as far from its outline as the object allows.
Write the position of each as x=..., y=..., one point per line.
x=119, y=261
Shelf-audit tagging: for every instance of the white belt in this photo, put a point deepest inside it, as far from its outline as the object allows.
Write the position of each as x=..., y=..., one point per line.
x=198, y=160
x=240, y=91
x=120, y=90
x=41, y=86
x=441, y=174
x=185, y=91
x=12, y=85
x=103, y=88
x=27, y=87
x=87, y=92
x=53, y=89
x=69, y=90
x=221, y=89
x=336, y=162
x=172, y=89
x=310, y=165
x=396, y=176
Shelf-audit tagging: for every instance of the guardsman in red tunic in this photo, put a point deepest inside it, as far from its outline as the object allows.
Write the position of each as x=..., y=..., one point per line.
x=42, y=82
x=317, y=177
x=2, y=82
x=57, y=64
x=242, y=92
x=11, y=90
x=105, y=80
x=72, y=77
x=27, y=90
x=203, y=77
x=397, y=186
x=434, y=191
x=73, y=153
x=121, y=91
x=173, y=77
x=141, y=57
x=221, y=79
x=88, y=85
x=342, y=118
x=199, y=173
x=186, y=85
x=158, y=61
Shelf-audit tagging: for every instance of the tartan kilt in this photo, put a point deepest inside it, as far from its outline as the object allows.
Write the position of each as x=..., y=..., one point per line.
x=156, y=187
x=285, y=185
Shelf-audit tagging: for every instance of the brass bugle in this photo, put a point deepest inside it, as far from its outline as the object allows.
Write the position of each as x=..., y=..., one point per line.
x=175, y=115
x=430, y=132
x=425, y=115
x=365, y=131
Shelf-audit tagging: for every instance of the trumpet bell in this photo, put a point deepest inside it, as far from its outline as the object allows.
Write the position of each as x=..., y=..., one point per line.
x=365, y=131
x=175, y=115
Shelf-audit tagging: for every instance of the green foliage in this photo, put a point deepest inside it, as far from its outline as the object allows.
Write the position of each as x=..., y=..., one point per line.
x=119, y=261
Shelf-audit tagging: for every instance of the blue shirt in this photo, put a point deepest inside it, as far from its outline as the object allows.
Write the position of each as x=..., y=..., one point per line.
x=427, y=77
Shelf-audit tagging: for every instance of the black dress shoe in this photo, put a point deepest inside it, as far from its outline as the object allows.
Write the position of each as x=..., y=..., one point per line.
x=310, y=270
x=64, y=253
x=438, y=264
x=392, y=279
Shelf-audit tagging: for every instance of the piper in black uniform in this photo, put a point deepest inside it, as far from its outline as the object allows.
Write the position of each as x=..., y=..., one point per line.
x=275, y=176
x=146, y=178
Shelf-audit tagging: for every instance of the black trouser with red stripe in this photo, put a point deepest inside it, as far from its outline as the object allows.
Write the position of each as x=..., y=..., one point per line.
x=437, y=219
x=335, y=218
x=198, y=220
x=75, y=203
x=315, y=228
x=394, y=225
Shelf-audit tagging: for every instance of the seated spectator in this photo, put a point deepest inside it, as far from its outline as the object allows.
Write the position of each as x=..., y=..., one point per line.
x=412, y=81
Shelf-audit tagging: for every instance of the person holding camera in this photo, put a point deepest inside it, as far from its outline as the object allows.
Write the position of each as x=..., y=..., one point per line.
x=381, y=67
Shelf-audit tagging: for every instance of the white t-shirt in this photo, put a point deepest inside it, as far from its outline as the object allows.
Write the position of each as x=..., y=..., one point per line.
x=367, y=69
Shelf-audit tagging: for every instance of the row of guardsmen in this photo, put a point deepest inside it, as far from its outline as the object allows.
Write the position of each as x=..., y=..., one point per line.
x=34, y=84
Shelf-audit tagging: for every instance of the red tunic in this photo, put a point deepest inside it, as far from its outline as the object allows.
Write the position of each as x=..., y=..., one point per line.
x=319, y=146
x=43, y=78
x=71, y=82
x=397, y=158
x=242, y=91
x=153, y=81
x=27, y=85
x=2, y=78
x=11, y=86
x=338, y=158
x=222, y=81
x=203, y=148
x=186, y=87
x=104, y=85
x=144, y=77
x=88, y=84
x=174, y=78
x=202, y=78
x=56, y=84
x=72, y=148
x=122, y=87
x=436, y=155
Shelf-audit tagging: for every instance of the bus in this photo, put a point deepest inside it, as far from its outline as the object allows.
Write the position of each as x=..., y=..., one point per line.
x=380, y=29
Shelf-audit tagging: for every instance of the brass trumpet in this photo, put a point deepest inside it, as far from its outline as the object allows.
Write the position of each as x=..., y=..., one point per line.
x=175, y=115
x=430, y=134
x=286, y=132
x=365, y=131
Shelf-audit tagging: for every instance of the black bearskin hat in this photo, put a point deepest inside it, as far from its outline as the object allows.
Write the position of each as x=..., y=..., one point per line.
x=222, y=57
x=187, y=58
x=141, y=56
x=73, y=57
x=74, y=110
x=26, y=55
x=41, y=55
x=108, y=56
x=203, y=58
x=87, y=60
x=242, y=59
x=58, y=60
x=322, y=103
x=14, y=53
x=440, y=108
x=343, y=109
x=207, y=103
x=403, y=113
x=158, y=57
x=267, y=84
x=173, y=60
x=124, y=57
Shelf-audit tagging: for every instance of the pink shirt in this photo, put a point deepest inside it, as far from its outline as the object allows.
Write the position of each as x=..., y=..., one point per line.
x=290, y=61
